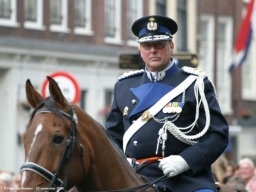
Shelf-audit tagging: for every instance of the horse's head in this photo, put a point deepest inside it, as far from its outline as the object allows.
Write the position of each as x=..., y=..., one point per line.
x=53, y=154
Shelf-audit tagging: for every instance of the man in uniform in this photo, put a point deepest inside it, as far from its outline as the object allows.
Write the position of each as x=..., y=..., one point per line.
x=166, y=116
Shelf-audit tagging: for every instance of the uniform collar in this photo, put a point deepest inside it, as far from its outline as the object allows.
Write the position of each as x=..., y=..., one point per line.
x=160, y=75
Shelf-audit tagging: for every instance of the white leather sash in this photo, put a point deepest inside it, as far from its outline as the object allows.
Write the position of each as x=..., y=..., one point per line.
x=156, y=108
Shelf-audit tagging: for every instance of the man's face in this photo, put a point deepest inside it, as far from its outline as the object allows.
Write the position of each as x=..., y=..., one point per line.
x=246, y=171
x=156, y=55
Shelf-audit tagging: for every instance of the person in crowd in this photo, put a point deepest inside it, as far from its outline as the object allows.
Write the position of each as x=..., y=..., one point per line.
x=219, y=167
x=246, y=171
x=5, y=181
x=235, y=182
x=16, y=180
x=232, y=169
x=166, y=116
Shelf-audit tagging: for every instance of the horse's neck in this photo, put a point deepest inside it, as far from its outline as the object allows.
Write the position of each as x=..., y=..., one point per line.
x=108, y=169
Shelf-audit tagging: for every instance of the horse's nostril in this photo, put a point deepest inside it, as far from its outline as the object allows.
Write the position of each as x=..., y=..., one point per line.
x=57, y=139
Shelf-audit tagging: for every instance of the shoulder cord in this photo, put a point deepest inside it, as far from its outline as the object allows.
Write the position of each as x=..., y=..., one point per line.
x=176, y=131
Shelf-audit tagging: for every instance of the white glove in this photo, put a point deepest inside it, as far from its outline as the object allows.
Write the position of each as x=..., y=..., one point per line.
x=173, y=165
x=129, y=161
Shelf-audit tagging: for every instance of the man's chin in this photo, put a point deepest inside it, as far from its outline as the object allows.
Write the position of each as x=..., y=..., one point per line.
x=155, y=67
x=155, y=64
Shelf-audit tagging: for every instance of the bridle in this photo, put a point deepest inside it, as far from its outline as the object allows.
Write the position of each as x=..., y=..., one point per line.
x=53, y=178
x=65, y=159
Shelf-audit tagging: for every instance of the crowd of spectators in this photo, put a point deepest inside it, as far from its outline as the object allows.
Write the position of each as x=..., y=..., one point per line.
x=239, y=176
x=8, y=181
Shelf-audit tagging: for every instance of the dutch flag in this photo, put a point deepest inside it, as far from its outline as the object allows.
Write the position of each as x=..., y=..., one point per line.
x=244, y=37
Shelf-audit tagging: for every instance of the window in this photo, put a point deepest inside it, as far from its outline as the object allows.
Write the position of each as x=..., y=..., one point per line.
x=132, y=16
x=113, y=21
x=108, y=101
x=80, y=20
x=248, y=73
x=182, y=20
x=110, y=18
x=161, y=7
x=134, y=12
x=82, y=102
x=206, y=46
x=5, y=9
x=249, y=68
x=8, y=13
x=30, y=10
x=224, y=48
x=56, y=13
x=83, y=20
x=59, y=16
x=34, y=14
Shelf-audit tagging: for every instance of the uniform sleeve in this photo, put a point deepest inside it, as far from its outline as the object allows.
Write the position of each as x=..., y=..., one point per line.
x=114, y=122
x=214, y=142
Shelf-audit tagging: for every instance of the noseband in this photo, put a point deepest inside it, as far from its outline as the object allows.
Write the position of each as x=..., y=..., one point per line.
x=70, y=143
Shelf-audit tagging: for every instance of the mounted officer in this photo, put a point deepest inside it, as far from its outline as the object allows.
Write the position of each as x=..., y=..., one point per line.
x=167, y=116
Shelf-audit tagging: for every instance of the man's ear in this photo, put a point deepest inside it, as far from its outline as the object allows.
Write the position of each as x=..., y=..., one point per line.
x=139, y=48
x=172, y=47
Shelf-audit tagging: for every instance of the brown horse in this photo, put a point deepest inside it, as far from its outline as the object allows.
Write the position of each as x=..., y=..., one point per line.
x=65, y=147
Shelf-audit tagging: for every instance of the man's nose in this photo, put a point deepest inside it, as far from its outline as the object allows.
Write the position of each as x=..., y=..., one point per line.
x=153, y=48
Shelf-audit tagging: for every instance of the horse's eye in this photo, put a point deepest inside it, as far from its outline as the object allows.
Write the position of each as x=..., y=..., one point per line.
x=57, y=139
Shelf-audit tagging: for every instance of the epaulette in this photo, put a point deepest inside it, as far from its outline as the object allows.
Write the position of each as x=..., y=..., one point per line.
x=198, y=72
x=130, y=74
x=193, y=71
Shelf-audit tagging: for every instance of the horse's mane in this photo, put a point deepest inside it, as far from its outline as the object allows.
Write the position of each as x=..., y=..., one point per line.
x=113, y=142
x=119, y=150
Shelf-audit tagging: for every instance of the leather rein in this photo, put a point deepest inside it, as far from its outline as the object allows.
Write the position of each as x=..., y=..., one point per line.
x=53, y=178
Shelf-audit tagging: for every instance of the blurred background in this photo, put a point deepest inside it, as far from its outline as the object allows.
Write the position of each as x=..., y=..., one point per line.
x=87, y=44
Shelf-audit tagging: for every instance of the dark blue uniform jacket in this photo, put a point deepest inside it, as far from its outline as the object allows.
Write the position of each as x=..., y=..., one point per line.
x=137, y=93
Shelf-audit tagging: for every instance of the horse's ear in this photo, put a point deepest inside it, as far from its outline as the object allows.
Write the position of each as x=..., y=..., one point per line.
x=33, y=97
x=56, y=93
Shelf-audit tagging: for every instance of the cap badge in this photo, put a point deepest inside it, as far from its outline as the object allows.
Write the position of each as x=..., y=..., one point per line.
x=152, y=25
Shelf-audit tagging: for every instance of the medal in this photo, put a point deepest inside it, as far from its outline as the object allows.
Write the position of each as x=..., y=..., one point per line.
x=173, y=107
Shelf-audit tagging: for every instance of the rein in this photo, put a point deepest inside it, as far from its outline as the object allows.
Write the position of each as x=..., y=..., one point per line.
x=70, y=143
x=144, y=186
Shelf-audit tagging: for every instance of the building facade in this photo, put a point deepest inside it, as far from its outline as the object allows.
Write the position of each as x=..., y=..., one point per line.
x=219, y=25
x=37, y=38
